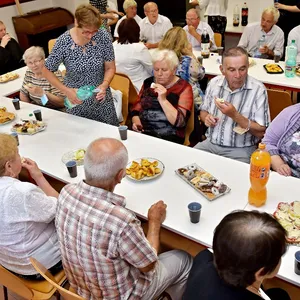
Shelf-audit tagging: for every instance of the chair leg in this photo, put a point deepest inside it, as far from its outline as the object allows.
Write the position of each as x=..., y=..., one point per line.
x=5, y=293
x=57, y=295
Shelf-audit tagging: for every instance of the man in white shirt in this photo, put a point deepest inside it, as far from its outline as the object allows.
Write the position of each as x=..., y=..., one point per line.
x=195, y=28
x=153, y=26
x=129, y=7
x=295, y=35
x=235, y=109
x=273, y=35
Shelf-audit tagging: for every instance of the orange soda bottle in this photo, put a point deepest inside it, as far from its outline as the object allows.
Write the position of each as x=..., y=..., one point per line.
x=259, y=175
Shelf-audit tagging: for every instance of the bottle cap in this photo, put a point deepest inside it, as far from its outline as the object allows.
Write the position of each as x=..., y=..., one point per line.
x=262, y=146
x=293, y=41
x=30, y=115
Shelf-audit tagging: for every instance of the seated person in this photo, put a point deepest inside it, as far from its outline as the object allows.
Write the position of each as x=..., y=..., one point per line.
x=104, y=250
x=165, y=101
x=10, y=52
x=274, y=36
x=195, y=28
x=237, y=122
x=35, y=87
x=27, y=215
x=132, y=57
x=189, y=68
x=130, y=8
x=153, y=26
x=247, y=248
x=282, y=140
x=295, y=35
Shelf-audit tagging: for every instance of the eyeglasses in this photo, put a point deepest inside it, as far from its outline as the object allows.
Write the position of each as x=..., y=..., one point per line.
x=153, y=11
x=87, y=32
x=35, y=62
x=191, y=19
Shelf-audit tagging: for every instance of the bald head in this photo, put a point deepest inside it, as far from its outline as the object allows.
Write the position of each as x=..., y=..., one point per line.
x=104, y=159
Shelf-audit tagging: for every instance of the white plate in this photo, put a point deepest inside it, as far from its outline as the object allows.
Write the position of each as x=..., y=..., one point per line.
x=39, y=129
x=146, y=178
x=71, y=156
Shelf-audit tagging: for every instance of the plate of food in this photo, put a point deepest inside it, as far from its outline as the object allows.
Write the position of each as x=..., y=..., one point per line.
x=77, y=155
x=298, y=70
x=273, y=69
x=203, y=182
x=5, y=116
x=288, y=215
x=29, y=127
x=8, y=77
x=146, y=168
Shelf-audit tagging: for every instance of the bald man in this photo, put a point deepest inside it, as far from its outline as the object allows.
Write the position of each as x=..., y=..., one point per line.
x=104, y=250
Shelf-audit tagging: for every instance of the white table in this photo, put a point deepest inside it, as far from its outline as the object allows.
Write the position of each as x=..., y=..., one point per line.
x=66, y=132
x=13, y=86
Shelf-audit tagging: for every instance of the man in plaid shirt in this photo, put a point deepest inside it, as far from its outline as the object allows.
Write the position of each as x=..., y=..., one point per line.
x=104, y=251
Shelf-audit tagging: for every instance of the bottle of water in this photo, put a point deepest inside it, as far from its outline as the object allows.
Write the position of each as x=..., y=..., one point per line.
x=291, y=62
x=260, y=44
x=236, y=16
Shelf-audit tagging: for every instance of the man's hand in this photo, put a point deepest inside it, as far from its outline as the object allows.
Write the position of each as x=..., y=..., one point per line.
x=210, y=121
x=32, y=168
x=192, y=30
x=226, y=108
x=5, y=40
x=264, y=50
x=157, y=212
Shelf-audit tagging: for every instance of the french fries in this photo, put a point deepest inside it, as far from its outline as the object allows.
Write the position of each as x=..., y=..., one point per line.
x=143, y=169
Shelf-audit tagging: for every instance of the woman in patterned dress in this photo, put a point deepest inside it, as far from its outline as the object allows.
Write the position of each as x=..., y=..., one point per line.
x=87, y=53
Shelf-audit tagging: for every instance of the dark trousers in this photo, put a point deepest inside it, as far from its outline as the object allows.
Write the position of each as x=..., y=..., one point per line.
x=218, y=25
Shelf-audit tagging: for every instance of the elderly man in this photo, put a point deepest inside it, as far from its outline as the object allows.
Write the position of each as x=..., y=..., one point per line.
x=195, y=28
x=130, y=8
x=235, y=109
x=295, y=35
x=273, y=35
x=104, y=251
x=153, y=26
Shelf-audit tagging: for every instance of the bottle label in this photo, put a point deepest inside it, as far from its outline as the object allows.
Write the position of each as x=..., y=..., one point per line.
x=205, y=47
x=259, y=172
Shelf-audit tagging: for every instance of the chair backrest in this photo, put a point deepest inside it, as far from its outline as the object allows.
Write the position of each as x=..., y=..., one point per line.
x=123, y=83
x=189, y=127
x=218, y=39
x=51, y=44
x=67, y=295
x=278, y=100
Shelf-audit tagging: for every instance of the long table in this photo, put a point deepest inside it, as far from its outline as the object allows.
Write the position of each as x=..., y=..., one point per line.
x=14, y=86
x=67, y=132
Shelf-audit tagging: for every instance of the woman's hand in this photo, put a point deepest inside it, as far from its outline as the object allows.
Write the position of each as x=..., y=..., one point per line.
x=72, y=96
x=279, y=5
x=137, y=124
x=161, y=91
x=5, y=40
x=32, y=168
x=279, y=166
x=102, y=91
x=35, y=90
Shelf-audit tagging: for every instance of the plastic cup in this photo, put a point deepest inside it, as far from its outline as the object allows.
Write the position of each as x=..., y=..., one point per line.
x=15, y=135
x=297, y=262
x=276, y=58
x=195, y=211
x=220, y=50
x=38, y=114
x=16, y=103
x=123, y=132
x=72, y=168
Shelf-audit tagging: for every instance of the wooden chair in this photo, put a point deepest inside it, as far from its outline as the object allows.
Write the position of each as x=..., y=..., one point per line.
x=189, y=127
x=51, y=44
x=123, y=83
x=29, y=289
x=67, y=295
x=218, y=39
x=278, y=100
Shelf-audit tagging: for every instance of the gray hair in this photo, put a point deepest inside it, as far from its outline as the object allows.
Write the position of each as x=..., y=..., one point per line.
x=34, y=51
x=128, y=3
x=272, y=10
x=234, y=52
x=146, y=6
x=168, y=55
x=104, y=158
x=194, y=11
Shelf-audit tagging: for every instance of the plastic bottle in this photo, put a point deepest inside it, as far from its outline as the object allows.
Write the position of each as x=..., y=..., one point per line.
x=291, y=61
x=260, y=44
x=82, y=94
x=245, y=14
x=205, y=43
x=236, y=16
x=259, y=175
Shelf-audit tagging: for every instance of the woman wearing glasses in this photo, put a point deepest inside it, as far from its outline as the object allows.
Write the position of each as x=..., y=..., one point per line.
x=87, y=53
x=35, y=88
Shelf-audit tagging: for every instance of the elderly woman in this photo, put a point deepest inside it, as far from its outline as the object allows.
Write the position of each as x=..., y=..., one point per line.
x=130, y=9
x=132, y=57
x=35, y=88
x=189, y=68
x=282, y=139
x=247, y=248
x=26, y=215
x=88, y=56
x=165, y=101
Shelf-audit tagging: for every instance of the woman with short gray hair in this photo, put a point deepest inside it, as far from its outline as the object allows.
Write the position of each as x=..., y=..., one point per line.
x=165, y=101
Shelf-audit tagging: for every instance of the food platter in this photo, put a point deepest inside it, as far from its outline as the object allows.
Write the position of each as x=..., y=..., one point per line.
x=144, y=169
x=203, y=182
x=28, y=127
x=5, y=116
x=77, y=155
x=273, y=69
x=8, y=77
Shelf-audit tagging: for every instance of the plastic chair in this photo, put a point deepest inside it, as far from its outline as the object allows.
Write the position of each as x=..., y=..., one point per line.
x=278, y=100
x=67, y=295
x=189, y=127
x=29, y=289
x=51, y=44
x=123, y=83
x=218, y=39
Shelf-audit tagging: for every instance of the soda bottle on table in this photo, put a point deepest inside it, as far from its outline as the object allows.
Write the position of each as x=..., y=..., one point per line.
x=259, y=175
x=260, y=44
x=205, y=44
x=236, y=16
x=291, y=60
x=245, y=14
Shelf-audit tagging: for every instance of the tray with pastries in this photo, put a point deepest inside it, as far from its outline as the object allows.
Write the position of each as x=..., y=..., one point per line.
x=273, y=69
x=288, y=215
x=5, y=116
x=29, y=127
x=8, y=77
x=298, y=70
x=203, y=182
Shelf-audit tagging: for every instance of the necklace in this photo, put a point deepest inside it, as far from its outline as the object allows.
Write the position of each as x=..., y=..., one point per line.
x=254, y=290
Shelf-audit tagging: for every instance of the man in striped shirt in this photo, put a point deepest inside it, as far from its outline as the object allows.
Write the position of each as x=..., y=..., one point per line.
x=235, y=109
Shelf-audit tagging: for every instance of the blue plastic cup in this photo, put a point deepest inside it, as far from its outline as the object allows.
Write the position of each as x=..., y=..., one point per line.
x=195, y=211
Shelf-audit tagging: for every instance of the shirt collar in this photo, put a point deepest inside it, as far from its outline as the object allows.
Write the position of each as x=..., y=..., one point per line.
x=272, y=31
x=246, y=86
